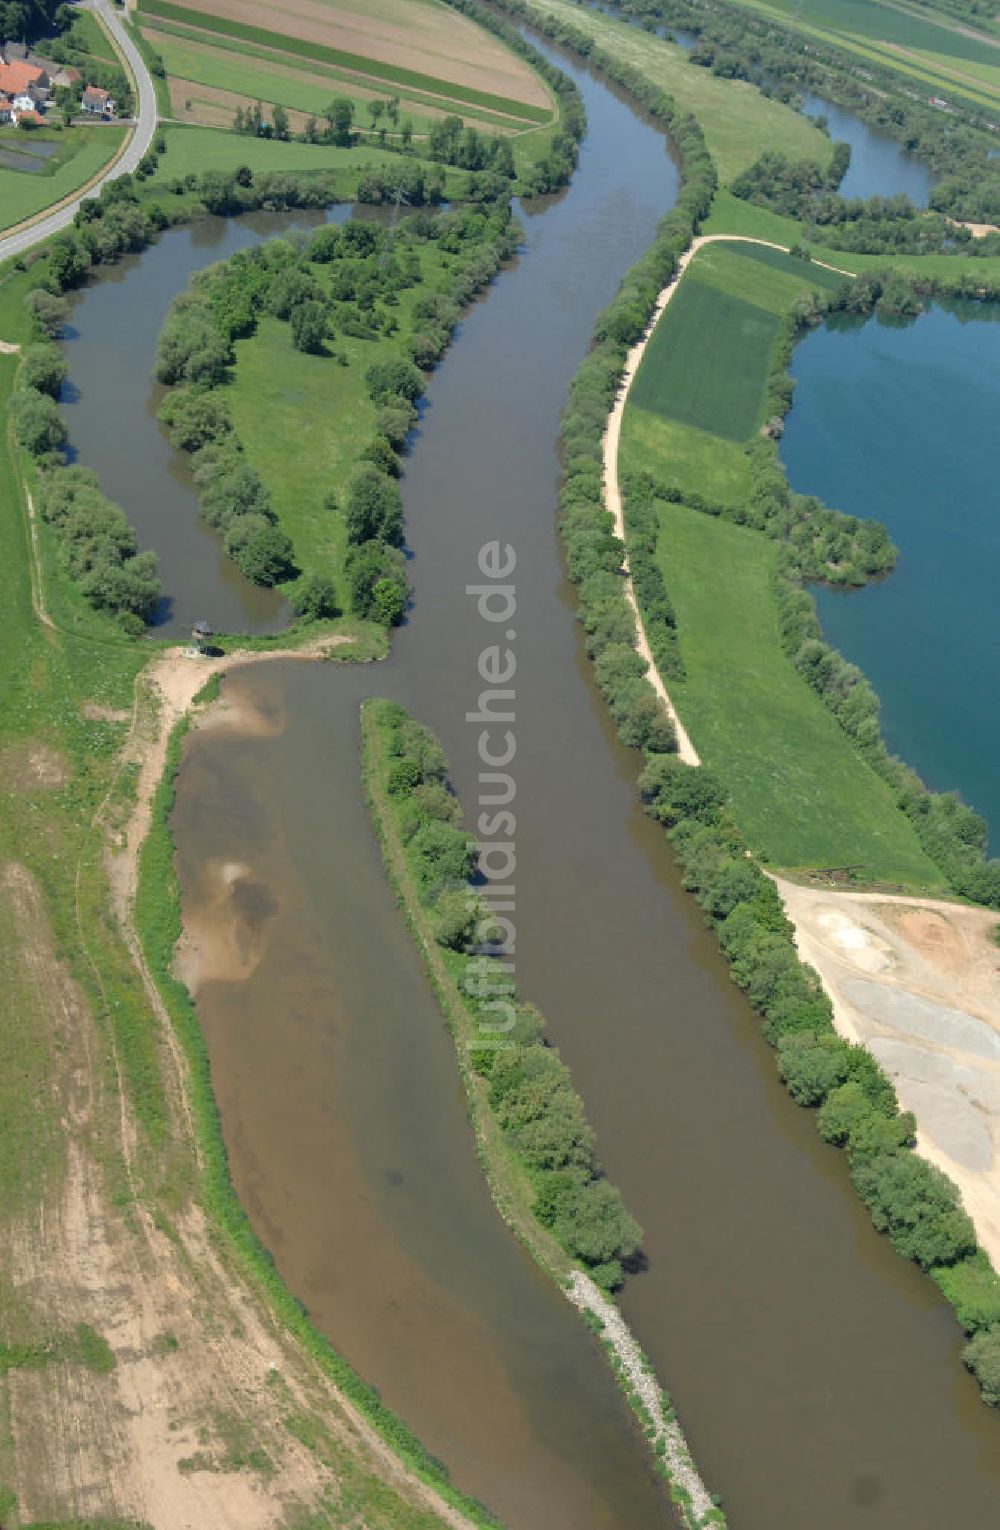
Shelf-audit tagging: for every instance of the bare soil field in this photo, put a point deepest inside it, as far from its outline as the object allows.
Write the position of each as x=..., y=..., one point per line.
x=211, y=106
x=207, y=106
x=191, y=1414
x=917, y=981
x=145, y=1379
x=409, y=34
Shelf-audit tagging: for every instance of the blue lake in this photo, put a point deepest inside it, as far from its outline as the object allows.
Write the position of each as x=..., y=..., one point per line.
x=901, y=423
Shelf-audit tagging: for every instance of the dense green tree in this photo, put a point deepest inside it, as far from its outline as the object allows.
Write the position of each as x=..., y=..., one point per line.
x=43, y=368
x=38, y=425
x=267, y=557
x=393, y=379
x=315, y=596
x=982, y=1356
x=374, y=507
x=388, y=601
x=49, y=312
x=369, y=566
x=190, y=347
x=339, y=116
x=194, y=418
x=916, y=1205
x=442, y=853
x=309, y=326
x=129, y=586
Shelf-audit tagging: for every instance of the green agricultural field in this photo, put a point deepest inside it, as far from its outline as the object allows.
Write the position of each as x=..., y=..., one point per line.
x=937, y=50
x=739, y=123
x=193, y=150
x=706, y=365
x=682, y=457
x=88, y=150
x=699, y=394
x=801, y=794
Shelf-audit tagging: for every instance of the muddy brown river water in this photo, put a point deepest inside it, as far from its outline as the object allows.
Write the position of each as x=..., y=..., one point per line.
x=816, y=1373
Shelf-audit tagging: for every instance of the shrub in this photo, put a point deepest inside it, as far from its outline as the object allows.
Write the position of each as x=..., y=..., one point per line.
x=456, y=917
x=916, y=1205
x=42, y=368
x=267, y=557
x=394, y=379
x=38, y=425
x=674, y=791
x=309, y=326
x=193, y=419
x=49, y=312
x=190, y=348
x=374, y=507
x=314, y=597
x=972, y=1286
x=812, y=1065
x=982, y=1356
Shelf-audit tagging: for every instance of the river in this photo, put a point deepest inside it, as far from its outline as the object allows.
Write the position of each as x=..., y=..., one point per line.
x=926, y=636
x=817, y=1373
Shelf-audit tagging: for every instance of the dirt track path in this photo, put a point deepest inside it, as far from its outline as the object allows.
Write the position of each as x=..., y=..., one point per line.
x=612, y=440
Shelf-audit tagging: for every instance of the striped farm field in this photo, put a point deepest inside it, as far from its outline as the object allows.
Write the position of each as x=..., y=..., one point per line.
x=419, y=49
x=201, y=66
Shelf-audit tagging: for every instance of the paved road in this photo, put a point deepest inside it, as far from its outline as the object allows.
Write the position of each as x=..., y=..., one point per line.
x=142, y=137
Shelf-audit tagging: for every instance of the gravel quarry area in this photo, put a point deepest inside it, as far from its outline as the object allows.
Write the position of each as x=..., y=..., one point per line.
x=918, y=983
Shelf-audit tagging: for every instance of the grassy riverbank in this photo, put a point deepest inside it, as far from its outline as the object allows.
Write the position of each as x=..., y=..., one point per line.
x=801, y=794
x=83, y=153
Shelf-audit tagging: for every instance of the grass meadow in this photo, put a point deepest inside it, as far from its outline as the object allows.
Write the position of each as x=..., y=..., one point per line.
x=193, y=150
x=278, y=395
x=700, y=392
x=799, y=791
x=739, y=123
x=88, y=150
